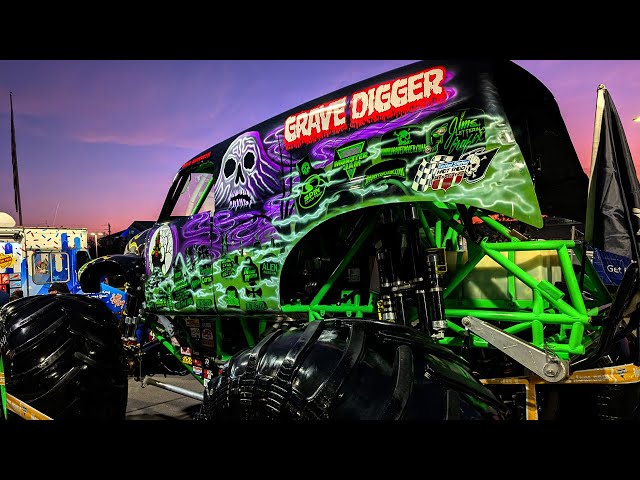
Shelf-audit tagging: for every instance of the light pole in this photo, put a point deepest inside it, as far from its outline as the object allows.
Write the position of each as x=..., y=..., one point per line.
x=95, y=239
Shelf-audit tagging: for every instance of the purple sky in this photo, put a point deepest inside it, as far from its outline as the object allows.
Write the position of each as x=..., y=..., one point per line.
x=98, y=142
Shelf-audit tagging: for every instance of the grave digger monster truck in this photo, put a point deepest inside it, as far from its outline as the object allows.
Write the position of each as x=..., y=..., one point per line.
x=335, y=261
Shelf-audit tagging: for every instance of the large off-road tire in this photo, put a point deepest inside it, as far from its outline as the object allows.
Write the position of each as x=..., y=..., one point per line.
x=63, y=355
x=347, y=369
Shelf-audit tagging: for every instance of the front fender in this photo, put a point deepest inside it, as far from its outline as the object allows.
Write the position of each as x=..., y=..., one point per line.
x=130, y=266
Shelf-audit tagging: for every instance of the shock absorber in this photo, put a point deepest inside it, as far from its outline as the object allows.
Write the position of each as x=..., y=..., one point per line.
x=417, y=270
x=392, y=298
x=390, y=282
x=436, y=304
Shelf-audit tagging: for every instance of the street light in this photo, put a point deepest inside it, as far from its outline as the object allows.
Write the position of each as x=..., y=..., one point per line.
x=95, y=239
x=637, y=119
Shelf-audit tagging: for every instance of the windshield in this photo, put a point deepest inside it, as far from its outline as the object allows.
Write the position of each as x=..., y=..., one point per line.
x=188, y=195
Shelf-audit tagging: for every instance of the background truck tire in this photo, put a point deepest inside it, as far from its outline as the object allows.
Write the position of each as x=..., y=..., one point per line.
x=63, y=355
x=347, y=369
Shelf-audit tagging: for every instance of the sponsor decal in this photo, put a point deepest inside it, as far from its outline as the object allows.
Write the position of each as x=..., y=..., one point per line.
x=186, y=359
x=350, y=157
x=388, y=169
x=232, y=297
x=228, y=267
x=197, y=371
x=192, y=322
x=445, y=171
x=195, y=332
x=256, y=306
x=250, y=272
x=456, y=133
x=269, y=269
x=404, y=142
x=204, y=303
x=253, y=292
x=207, y=333
x=6, y=261
x=116, y=300
x=311, y=183
x=312, y=192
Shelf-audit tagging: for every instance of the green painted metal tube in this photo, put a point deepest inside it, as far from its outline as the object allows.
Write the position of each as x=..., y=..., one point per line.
x=520, y=327
x=328, y=308
x=498, y=227
x=426, y=227
x=531, y=245
x=570, y=278
x=344, y=263
x=527, y=279
x=3, y=389
x=511, y=279
x=458, y=342
x=538, y=303
x=462, y=273
x=247, y=332
x=175, y=352
x=562, y=348
x=218, y=338
x=537, y=333
x=262, y=326
x=575, y=338
x=445, y=217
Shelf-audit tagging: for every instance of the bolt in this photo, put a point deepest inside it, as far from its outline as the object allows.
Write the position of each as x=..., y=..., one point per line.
x=551, y=370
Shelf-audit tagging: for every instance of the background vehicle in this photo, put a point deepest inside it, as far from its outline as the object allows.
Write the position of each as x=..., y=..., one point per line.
x=32, y=258
x=347, y=259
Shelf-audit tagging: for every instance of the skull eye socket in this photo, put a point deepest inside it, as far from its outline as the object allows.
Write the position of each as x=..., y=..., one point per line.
x=229, y=167
x=249, y=160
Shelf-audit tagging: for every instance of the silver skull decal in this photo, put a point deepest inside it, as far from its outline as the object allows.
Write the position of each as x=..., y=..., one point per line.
x=246, y=178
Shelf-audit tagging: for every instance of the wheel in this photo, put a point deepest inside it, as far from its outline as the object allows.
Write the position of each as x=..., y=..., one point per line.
x=347, y=369
x=63, y=355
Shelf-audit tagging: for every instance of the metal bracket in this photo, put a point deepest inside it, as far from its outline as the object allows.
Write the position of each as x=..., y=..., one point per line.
x=543, y=363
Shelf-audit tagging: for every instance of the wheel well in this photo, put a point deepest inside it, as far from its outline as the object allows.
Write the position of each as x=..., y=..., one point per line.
x=118, y=269
x=316, y=256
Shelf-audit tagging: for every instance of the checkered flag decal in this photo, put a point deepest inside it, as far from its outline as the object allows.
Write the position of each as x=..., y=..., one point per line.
x=424, y=175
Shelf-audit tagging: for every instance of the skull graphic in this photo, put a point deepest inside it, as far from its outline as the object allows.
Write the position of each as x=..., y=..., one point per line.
x=404, y=137
x=247, y=178
x=472, y=166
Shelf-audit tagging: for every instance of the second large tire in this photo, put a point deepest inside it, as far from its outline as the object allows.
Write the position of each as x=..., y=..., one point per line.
x=63, y=355
x=347, y=369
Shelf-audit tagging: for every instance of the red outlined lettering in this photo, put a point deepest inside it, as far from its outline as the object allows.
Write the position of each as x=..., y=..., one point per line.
x=397, y=97
x=311, y=125
x=196, y=160
x=380, y=102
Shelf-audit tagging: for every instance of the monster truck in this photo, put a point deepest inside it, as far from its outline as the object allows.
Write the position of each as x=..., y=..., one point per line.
x=351, y=258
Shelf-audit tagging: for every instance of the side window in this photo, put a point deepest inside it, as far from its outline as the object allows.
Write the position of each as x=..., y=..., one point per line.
x=49, y=267
x=192, y=195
